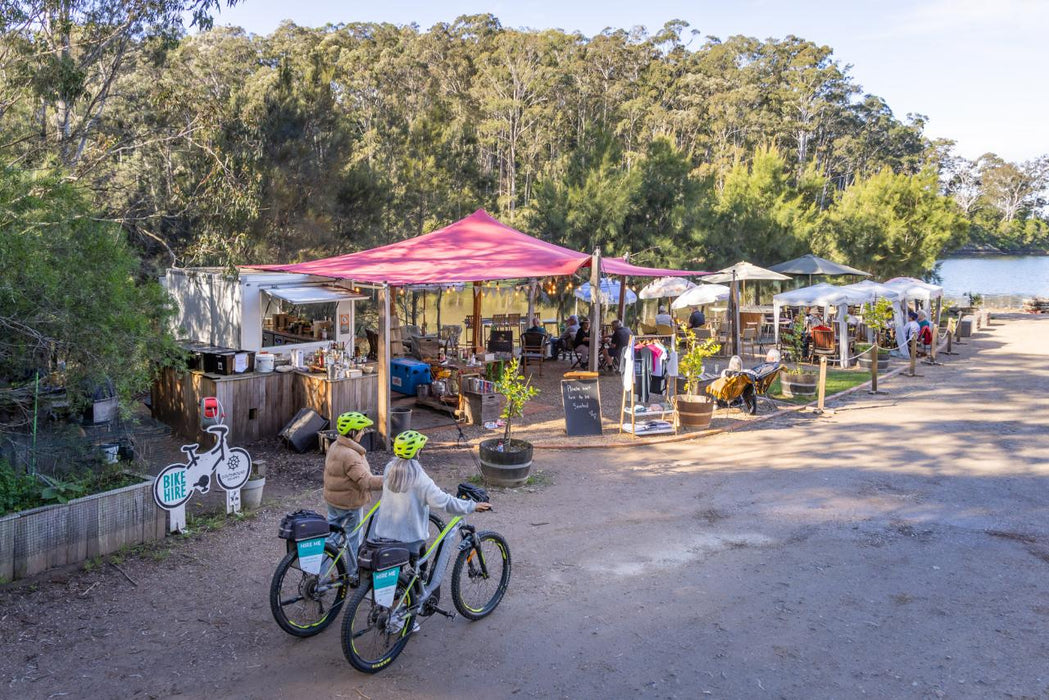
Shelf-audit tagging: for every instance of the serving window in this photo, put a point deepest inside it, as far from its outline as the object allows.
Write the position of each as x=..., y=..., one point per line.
x=305, y=314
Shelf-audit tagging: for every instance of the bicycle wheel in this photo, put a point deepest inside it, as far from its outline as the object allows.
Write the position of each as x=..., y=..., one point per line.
x=477, y=589
x=305, y=604
x=170, y=487
x=371, y=638
x=234, y=471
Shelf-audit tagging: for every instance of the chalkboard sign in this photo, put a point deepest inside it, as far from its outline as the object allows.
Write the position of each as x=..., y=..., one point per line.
x=582, y=401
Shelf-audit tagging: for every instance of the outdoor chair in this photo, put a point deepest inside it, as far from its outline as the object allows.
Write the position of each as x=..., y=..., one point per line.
x=498, y=321
x=824, y=343
x=664, y=329
x=513, y=321
x=702, y=333
x=647, y=328
x=450, y=337
x=533, y=350
x=749, y=339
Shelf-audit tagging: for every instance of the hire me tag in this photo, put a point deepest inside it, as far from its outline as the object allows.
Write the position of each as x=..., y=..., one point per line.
x=311, y=554
x=384, y=585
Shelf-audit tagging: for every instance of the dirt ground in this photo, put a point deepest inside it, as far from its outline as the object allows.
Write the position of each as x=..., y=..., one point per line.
x=897, y=548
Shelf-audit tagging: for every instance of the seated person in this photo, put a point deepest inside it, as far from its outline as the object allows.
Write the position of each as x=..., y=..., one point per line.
x=582, y=340
x=663, y=318
x=697, y=319
x=567, y=339
x=536, y=327
x=619, y=339
x=924, y=328
x=912, y=328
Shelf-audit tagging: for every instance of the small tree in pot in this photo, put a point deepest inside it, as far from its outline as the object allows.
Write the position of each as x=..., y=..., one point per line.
x=695, y=410
x=877, y=317
x=506, y=461
x=797, y=380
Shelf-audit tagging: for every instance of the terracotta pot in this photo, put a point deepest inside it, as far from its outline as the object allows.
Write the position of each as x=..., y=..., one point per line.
x=694, y=411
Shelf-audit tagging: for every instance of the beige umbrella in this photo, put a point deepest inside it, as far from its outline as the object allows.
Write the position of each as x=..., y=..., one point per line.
x=740, y=272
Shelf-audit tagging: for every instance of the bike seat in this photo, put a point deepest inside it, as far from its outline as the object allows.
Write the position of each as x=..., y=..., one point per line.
x=190, y=449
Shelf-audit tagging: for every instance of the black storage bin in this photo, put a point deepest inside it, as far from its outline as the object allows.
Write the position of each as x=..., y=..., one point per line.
x=301, y=433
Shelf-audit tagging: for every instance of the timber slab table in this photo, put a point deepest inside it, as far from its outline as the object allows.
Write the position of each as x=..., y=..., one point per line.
x=257, y=405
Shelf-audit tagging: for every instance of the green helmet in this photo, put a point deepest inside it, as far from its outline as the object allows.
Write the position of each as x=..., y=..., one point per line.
x=352, y=421
x=407, y=444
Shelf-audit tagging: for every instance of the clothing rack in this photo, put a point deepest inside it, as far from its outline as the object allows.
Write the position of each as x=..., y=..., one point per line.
x=628, y=406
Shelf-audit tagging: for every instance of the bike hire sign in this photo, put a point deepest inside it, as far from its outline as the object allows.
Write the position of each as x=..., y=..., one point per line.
x=229, y=467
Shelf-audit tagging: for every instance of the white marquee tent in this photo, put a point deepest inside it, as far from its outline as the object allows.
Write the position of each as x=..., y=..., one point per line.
x=830, y=296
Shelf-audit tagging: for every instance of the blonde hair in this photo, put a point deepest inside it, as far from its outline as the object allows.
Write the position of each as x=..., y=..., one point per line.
x=400, y=474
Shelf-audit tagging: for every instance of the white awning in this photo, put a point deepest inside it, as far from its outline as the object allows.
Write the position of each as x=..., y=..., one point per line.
x=310, y=294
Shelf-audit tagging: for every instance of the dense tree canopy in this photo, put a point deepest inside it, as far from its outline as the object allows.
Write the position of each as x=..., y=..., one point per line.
x=223, y=147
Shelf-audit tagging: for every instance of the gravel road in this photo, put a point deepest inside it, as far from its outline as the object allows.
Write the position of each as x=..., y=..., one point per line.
x=897, y=548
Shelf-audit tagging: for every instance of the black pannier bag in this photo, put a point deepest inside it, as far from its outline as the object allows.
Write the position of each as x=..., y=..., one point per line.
x=376, y=556
x=303, y=525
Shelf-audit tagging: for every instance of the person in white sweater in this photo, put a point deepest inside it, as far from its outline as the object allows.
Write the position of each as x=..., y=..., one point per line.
x=408, y=493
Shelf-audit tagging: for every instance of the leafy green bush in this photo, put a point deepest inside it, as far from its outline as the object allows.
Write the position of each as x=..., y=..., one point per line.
x=71, y=296
x=21, y=491
x=18, y=491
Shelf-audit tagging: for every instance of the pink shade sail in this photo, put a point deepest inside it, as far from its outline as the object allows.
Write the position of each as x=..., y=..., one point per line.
x=473, y=249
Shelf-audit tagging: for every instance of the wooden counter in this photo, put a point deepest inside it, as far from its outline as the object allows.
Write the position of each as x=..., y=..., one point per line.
x=257, y=405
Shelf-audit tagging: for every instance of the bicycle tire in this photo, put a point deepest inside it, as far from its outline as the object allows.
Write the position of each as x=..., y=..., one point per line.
x=280, y=604
x=472, y=610
x=235, y=454
x=158, y=484
x=374, y=625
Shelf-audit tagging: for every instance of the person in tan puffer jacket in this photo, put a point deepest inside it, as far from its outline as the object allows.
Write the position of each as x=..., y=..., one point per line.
x=348, y=482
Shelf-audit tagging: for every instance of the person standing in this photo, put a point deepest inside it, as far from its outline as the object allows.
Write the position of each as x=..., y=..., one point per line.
x=348, y=481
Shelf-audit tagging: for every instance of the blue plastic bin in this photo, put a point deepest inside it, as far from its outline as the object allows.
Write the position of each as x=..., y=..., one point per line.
x=406, y=374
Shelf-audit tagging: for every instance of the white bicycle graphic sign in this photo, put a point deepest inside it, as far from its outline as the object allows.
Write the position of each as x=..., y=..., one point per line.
x=229, y=466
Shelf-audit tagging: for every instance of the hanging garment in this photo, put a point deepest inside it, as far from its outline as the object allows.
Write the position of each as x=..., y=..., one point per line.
x=643, y=372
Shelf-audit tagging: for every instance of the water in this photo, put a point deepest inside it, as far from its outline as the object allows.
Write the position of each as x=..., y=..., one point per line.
x=1005, y=278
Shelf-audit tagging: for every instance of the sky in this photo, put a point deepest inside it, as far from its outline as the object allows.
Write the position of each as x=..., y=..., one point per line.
x=977, y=69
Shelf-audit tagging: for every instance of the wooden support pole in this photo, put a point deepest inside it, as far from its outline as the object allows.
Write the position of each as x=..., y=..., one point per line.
x=478, y=339
x=913, y=347
x=595, y=309
x=874, y=352
x=822, y=389
x=622, y=299
x=383, y=369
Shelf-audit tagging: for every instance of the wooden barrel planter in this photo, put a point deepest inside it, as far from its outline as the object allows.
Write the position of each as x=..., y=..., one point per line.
x=694, y=411
x=511, y=467
x=793, y=385
x=864, y=361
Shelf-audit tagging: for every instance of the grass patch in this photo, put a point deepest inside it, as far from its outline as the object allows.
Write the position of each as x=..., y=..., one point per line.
x=837, y=380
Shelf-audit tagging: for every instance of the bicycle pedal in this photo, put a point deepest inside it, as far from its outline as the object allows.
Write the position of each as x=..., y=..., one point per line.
x=449, y=615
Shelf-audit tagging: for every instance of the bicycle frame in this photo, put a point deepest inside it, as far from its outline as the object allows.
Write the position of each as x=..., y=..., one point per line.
x=440, y=559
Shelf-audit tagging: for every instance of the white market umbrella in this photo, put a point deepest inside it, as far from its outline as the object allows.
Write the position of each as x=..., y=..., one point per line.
x=665, y=287
x=741, y=272
x=701, y=295
x=744, y=271
x=609, y=292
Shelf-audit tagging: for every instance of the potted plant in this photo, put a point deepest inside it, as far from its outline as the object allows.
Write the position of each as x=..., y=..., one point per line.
x=251, y=491
x=695, y=410
x=796, y=380
x=506, y=461
x=877, y=317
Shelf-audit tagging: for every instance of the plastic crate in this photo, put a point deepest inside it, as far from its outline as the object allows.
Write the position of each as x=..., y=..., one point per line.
x=406, y=374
